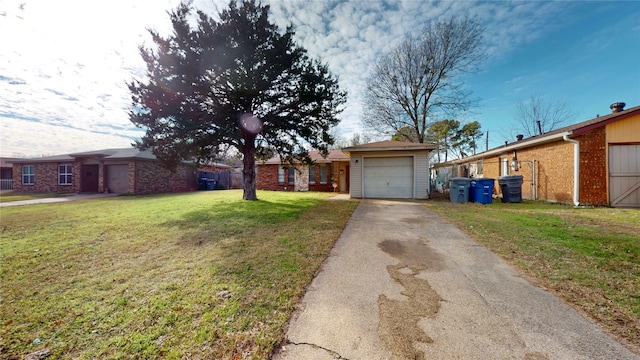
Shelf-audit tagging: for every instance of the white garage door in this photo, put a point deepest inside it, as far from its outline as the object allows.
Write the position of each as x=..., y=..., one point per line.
x=117, y=178
x=388, y=177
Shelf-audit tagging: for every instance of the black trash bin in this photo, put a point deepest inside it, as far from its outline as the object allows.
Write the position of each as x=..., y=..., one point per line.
x=511, y=186
x=459, y=189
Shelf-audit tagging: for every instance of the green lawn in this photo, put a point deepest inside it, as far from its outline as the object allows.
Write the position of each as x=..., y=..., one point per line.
x=589, y=256
x=198, y=275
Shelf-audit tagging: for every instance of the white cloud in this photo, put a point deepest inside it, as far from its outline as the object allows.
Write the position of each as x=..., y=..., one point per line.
x=66, y=63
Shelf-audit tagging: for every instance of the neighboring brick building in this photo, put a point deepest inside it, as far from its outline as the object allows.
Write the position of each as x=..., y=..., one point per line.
x=321, y=176
x=608, y=166
x=120, y=171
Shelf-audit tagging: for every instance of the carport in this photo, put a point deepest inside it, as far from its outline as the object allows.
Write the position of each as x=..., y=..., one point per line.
x=389, y=169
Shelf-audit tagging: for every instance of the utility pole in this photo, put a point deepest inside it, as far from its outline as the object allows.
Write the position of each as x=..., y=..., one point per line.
x=487, y=142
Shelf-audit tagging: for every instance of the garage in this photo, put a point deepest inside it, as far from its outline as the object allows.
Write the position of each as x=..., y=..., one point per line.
x=117, y=178
x=389, y=170
x=388, y=177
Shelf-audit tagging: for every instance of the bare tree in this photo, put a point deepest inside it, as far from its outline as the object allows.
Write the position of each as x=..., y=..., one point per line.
x=419, y=78
x=551, y=114
x=406, y=134
x=355, y=140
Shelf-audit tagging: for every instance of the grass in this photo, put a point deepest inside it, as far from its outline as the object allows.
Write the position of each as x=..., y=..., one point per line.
x=590, y=256
x=8, y=195
x=199, y=275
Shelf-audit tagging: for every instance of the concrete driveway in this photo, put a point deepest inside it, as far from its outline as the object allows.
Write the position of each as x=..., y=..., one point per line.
x=401, y=283
x=70, y=197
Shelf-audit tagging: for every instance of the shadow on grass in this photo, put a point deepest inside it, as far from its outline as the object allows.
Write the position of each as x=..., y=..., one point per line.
x=224, y=219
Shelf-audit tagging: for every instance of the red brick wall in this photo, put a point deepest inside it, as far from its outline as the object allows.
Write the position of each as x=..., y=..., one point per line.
x=267, y=178
x=151, y=178
x=593, y=167
x=145, y=177
x=332, y=170
x=46, y=178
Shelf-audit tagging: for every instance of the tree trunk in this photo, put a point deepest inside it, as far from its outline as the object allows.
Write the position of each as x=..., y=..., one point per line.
x=249, y=169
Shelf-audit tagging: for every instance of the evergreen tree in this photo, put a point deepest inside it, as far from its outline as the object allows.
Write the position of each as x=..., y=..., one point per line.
x=235, y=82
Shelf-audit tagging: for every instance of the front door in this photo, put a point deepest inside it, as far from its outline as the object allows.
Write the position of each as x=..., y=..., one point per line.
x=343, y=176
x=89, y=180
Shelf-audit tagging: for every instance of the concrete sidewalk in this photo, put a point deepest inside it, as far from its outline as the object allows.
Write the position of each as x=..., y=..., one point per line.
x=71, y=197
x=401, y=283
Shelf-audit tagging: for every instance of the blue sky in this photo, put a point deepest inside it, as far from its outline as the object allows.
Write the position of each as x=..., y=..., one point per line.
x=64, y=64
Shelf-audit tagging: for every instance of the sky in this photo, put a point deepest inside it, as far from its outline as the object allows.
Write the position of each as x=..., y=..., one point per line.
x=64, y=64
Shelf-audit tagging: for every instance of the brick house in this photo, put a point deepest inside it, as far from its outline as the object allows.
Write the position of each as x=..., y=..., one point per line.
x=594, y=162
x=120, y=171
x=6, y=173
x=321, y=176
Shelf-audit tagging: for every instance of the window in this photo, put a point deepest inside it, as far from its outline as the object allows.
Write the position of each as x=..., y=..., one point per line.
x=323, y=174
x=480, y=168
x=291, y=175
x=65, y=174
x=28, y=174
x=475, y=169
x=312, y=174
x=280, y=175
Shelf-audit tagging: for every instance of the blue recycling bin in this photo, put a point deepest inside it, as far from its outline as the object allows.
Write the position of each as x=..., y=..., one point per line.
x=459, y=189
x=481, y=190
x=207, y=184
x=202, y=184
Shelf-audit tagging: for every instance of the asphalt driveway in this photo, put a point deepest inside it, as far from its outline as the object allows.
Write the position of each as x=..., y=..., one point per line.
x=401, y=283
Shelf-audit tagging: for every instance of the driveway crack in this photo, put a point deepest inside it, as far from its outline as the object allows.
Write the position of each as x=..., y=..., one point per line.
x=331, y=352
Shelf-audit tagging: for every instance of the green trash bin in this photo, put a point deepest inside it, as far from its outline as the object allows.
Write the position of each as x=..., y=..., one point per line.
x=459, y=189
x=511, y=186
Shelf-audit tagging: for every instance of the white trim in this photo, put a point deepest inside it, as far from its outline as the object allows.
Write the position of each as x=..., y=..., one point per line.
x=576, y=169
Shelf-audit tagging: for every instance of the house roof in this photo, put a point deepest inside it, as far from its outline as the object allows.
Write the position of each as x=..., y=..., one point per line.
x=389, y=145
x=316, y=156
x=123, y=153
x=109, y=154
x=554, y=135
x=7, y=162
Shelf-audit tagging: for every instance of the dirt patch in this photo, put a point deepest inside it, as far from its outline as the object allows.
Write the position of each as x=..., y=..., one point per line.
x=398, y=327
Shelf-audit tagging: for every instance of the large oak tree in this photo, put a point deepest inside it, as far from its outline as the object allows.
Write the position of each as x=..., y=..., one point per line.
x=234, y=82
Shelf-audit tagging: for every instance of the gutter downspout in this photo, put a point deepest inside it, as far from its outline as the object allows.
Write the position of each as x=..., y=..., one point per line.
x=576, y=169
